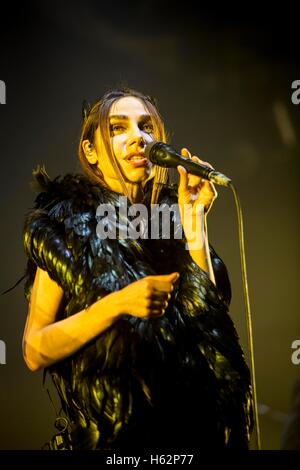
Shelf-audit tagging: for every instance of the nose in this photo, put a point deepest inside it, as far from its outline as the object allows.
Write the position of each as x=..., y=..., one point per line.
x=136, y=137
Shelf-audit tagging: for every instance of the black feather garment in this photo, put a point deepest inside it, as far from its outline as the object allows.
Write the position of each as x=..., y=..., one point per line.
x=176, y=381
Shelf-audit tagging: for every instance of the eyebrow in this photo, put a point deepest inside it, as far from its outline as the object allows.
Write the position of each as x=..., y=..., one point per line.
x=124, y=117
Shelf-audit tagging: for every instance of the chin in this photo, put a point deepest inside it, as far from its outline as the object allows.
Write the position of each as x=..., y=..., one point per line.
x=139, y=176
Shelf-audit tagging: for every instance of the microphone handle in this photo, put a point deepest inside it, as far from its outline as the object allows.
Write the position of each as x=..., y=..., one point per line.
x=165, y=156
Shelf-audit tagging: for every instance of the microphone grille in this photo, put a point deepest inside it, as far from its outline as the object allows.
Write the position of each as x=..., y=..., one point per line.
x=148, y=148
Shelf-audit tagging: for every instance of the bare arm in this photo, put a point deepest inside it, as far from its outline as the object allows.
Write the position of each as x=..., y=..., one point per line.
x=47, y=341
x=199, y=250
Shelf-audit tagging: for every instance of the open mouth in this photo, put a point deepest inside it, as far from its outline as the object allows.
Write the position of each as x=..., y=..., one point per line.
x=137, y=159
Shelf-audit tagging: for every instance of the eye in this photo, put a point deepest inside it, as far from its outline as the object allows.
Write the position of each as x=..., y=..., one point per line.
x=148, y=127
x=117, y=129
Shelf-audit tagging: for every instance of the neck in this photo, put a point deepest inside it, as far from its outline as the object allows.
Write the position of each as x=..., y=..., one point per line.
x=136, y=191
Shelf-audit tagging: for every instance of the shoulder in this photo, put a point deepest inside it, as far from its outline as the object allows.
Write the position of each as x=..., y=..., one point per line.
x=57, y=196
x=65, y=205
x=58, y=227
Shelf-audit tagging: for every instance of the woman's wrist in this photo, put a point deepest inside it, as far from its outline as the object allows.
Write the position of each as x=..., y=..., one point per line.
x=110, y=306
x=195, y=232
x=198, y=245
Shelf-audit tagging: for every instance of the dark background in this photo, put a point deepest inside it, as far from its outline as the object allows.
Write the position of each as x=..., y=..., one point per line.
x=222, y=77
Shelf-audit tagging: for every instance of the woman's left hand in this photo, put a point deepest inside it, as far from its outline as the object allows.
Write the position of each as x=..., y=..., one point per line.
x=194, y=190
x=195, y=198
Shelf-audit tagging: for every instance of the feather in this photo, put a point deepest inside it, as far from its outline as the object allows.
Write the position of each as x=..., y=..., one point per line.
x=140, y=372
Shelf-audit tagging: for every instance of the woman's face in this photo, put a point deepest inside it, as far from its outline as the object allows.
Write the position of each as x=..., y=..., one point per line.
x=131, y=130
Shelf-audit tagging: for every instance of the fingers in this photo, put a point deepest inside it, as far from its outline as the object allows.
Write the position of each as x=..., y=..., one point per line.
x=166, y=277
x=158, y=298
x=195, y=184
x=205, y=184
x=158, y=307
x=186, y=153
x=154, y=305
x=195, y=181
x=159, y=287
x=158, y=292
x=162, y=282
x=202, y=162
x=189, y=181
x=148, y=297
x=183, y=182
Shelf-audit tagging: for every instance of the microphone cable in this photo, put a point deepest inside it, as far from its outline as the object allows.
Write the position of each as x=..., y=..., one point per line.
x=247, y=310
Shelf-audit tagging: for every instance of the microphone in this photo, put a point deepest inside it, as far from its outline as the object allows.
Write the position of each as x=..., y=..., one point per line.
x=164, y=155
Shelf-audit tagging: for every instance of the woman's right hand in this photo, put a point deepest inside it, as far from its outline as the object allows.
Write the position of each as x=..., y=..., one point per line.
x=148, y=297
x=47, y=341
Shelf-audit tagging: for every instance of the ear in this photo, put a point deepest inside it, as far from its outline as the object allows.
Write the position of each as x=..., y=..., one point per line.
x=89, y=151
